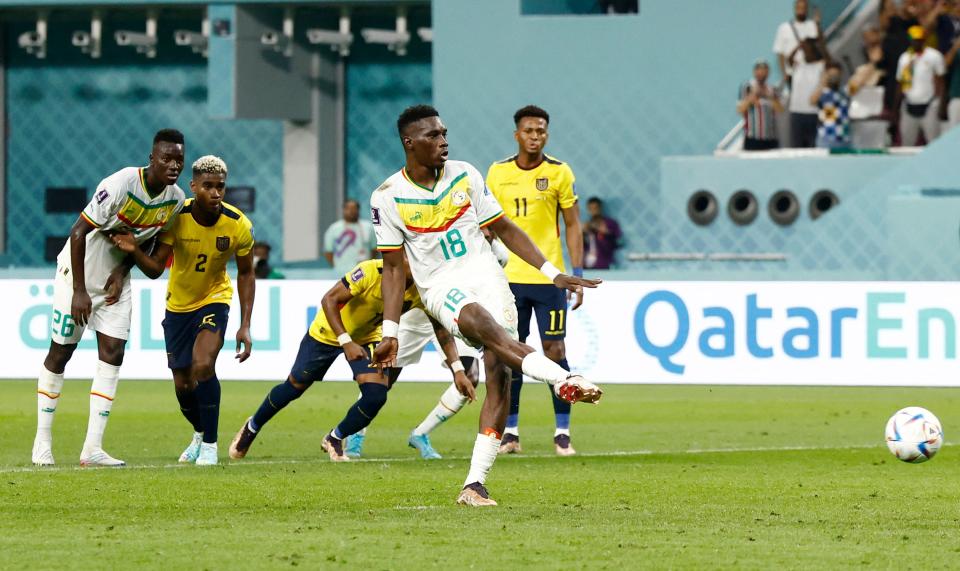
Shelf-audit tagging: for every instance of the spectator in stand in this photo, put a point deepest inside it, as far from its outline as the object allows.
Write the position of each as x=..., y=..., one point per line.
x=895, y=19
x=871, y=73
x=952, y=63
x=833, y=102
x=947, y=24
x=349, y=241
x=801, y=52
x=261, y=263
x=920, y=72
x=759, y=103
x=601, y=237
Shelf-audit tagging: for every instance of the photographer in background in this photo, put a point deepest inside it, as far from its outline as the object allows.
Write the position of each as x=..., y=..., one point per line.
x=759, y=104
x=261, y=263
x=601, y=237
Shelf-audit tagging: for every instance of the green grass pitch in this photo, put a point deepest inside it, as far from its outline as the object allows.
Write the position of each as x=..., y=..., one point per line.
x=668, y=477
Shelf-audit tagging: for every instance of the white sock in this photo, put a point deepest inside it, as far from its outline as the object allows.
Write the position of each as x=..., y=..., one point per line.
x=543, y=369
x=49, y=386
x=560, y=431
x=484, y=453
x=451, y=401
x=102, y=393
x=514, y=430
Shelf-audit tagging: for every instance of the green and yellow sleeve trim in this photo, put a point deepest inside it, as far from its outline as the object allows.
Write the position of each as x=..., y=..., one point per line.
x=389, y=247
x=492, y=219
x=90, y=220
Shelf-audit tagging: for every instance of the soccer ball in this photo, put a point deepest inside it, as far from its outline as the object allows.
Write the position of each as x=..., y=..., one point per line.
x=914, y=434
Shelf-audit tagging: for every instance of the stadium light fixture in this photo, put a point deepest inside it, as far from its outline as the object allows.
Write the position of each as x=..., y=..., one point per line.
x=145, y=42
x=281, y=42
x=198, y=42
x=34, y=42
x=396, y=40
x=340, y=40
x=90, y=43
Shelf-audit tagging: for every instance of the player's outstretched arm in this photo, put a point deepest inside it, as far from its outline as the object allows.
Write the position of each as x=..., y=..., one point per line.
x=247, y=288
x=392, y=286
x=520, y=244
x=81, y=305
x=574, y=231
x=152, y=265
x=335, y=298
x=449, y=347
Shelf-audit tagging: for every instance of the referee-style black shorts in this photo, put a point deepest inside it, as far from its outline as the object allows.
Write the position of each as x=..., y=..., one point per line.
x=550, y=305
x=180, y=331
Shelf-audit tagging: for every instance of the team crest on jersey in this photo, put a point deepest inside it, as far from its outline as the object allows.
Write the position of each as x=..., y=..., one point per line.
x=458, y=198
x=223, y=243
x=543, y=183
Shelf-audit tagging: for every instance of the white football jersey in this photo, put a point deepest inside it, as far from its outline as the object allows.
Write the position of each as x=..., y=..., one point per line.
x=121, y=204
x=438, y=227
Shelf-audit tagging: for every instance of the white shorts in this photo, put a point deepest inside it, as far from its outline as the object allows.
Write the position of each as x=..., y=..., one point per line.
x=489, y=289
x=415, y=333
x=112, y=320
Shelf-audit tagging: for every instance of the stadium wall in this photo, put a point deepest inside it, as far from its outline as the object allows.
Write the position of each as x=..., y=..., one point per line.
x=623, y=91
x=71, y=122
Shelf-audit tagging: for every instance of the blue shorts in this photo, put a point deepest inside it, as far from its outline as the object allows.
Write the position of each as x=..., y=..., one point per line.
x=549, y=303
x=315, y=358
x=180, y=331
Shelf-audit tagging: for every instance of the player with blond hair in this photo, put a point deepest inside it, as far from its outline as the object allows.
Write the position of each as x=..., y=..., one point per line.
x=203, y=238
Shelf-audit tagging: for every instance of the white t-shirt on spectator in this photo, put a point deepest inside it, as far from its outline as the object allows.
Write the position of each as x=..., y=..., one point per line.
x=927, y=66
x=786, y=41
x=806, y=76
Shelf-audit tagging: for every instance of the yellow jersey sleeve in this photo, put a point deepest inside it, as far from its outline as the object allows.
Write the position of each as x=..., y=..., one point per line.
x=492, y=182
x=567, y=190
x=362, y=277
x=244, y=236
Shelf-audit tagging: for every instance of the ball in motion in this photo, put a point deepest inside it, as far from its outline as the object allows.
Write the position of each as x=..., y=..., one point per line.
x=914, y=434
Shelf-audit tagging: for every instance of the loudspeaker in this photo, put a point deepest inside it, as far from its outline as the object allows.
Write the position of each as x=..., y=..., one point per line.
x=783, y=207
x=821, y=202
x=742, y=207
x=702, y=207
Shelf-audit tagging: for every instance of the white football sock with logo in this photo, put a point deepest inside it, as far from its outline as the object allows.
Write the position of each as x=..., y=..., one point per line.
x=49, y=386
x=451, y=401
x=102, y=393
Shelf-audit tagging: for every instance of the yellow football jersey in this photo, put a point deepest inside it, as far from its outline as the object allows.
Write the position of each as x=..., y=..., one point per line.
x=362, y=316
x=200, y=255
x=533, y=199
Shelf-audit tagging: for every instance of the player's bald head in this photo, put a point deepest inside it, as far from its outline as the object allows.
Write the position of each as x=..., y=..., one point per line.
x=413, y=115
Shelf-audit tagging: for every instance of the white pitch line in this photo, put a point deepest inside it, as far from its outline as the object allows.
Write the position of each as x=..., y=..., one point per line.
x=319, y=460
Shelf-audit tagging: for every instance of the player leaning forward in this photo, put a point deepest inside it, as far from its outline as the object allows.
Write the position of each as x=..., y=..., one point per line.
x=434, y=209
x=206, y=234
x=92, y=287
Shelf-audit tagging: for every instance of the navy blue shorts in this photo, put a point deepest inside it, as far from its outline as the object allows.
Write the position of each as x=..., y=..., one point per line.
x=549, y=303
x=315, y=358
x=180, y=331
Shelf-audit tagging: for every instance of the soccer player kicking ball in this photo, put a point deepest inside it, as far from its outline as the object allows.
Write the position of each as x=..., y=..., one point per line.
x=92, y=288
x=203, y=238
x=349, y=324
x=434, y=209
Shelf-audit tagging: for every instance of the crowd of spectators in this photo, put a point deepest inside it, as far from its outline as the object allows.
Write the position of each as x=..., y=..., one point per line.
x=905, y=92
